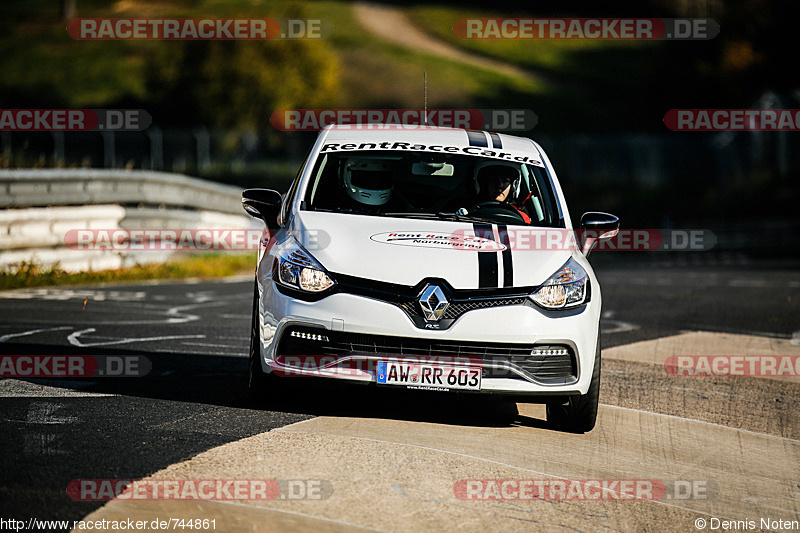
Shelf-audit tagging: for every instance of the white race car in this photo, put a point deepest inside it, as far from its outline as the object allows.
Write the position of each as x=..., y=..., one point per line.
x=430, y=258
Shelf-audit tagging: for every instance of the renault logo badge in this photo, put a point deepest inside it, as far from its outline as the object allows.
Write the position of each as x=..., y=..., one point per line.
x=433, y=303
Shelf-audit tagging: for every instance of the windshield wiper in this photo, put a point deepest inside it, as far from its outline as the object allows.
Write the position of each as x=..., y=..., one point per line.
x=465, y=218
x=337, y=210
x=454, y=217
x=410, y=215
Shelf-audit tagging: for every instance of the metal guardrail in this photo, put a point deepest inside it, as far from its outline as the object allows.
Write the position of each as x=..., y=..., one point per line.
x=51, y=187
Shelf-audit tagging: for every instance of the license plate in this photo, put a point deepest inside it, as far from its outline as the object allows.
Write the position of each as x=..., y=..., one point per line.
x=428, y=376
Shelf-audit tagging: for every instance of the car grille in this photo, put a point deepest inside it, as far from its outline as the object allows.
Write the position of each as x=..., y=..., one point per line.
x=458, y=308
x=548, y=369
x=461, y=301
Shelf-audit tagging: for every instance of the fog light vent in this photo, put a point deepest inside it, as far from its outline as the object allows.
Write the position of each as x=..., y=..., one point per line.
x=308, y=336
x=550, y=350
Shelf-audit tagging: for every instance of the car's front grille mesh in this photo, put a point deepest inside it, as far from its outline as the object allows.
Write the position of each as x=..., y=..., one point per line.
x=544, y=368
x=456, y=309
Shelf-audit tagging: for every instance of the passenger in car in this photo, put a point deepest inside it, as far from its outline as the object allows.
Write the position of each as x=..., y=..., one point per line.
x=501, y=183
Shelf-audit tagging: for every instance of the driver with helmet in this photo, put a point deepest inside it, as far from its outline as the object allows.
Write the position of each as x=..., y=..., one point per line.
x=370, y=189
x=500, y=183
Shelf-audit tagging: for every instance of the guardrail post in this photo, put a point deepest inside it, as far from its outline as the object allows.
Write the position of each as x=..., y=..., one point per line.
x=5, y=139
x=58, y=147
x=109, y=159
x=156, y=147
x=203, y=142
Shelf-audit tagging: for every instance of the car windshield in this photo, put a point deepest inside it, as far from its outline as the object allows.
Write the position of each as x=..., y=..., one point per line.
x=428, y=185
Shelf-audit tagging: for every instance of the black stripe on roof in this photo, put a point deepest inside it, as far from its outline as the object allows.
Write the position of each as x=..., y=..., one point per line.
x=477, y=138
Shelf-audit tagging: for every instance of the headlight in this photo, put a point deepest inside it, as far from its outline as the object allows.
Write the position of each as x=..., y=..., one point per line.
x=299, y=270
x=564, y=289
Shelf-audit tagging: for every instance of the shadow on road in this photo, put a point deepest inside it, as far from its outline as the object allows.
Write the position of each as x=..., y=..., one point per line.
x=221, y=381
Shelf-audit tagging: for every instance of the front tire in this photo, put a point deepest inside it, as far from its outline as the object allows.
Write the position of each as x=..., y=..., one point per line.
x=578, y=414
x=259, y=385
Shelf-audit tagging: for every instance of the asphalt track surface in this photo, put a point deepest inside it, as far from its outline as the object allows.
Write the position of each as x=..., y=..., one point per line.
x=196, y=336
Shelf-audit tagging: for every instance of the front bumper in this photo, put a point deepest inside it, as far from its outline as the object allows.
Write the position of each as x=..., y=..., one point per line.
x=500, y=332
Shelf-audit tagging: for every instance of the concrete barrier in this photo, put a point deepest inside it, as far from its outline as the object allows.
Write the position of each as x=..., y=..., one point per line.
x=39, y=207
x=45, y=227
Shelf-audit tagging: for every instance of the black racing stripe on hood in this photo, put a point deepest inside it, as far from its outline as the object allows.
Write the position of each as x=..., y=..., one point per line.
x=487, y=261
x=508, y=264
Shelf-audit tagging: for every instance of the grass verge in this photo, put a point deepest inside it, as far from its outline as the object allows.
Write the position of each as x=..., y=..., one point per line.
x=207, y=265
x=582, y=60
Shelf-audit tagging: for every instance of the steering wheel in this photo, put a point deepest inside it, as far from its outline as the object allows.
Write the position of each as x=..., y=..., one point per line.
x=404, y=199
x=495, y=209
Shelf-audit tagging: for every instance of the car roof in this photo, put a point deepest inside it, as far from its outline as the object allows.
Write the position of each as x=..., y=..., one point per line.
x=377, y=133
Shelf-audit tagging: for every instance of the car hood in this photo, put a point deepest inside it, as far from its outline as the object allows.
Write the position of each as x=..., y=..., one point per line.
x=406, y=251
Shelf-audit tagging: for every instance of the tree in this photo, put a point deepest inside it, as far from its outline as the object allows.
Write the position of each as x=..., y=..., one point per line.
x=239, y=83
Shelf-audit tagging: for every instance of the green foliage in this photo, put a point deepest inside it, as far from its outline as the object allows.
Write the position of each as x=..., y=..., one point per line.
x=229, y=84
x=240, y=83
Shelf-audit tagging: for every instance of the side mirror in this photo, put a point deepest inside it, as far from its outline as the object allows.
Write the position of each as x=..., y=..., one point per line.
x=597, y=227
x=264, y=204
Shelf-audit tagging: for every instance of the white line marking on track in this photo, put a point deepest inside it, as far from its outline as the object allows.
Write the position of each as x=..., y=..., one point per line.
x=73, y=339
x=178, y=316
x=198, y=351
x=4, y=338
x=213, y=345
x=619, y=327
x=62, y=294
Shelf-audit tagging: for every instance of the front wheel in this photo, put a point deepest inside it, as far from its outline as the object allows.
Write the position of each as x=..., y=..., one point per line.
x=578, y=414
